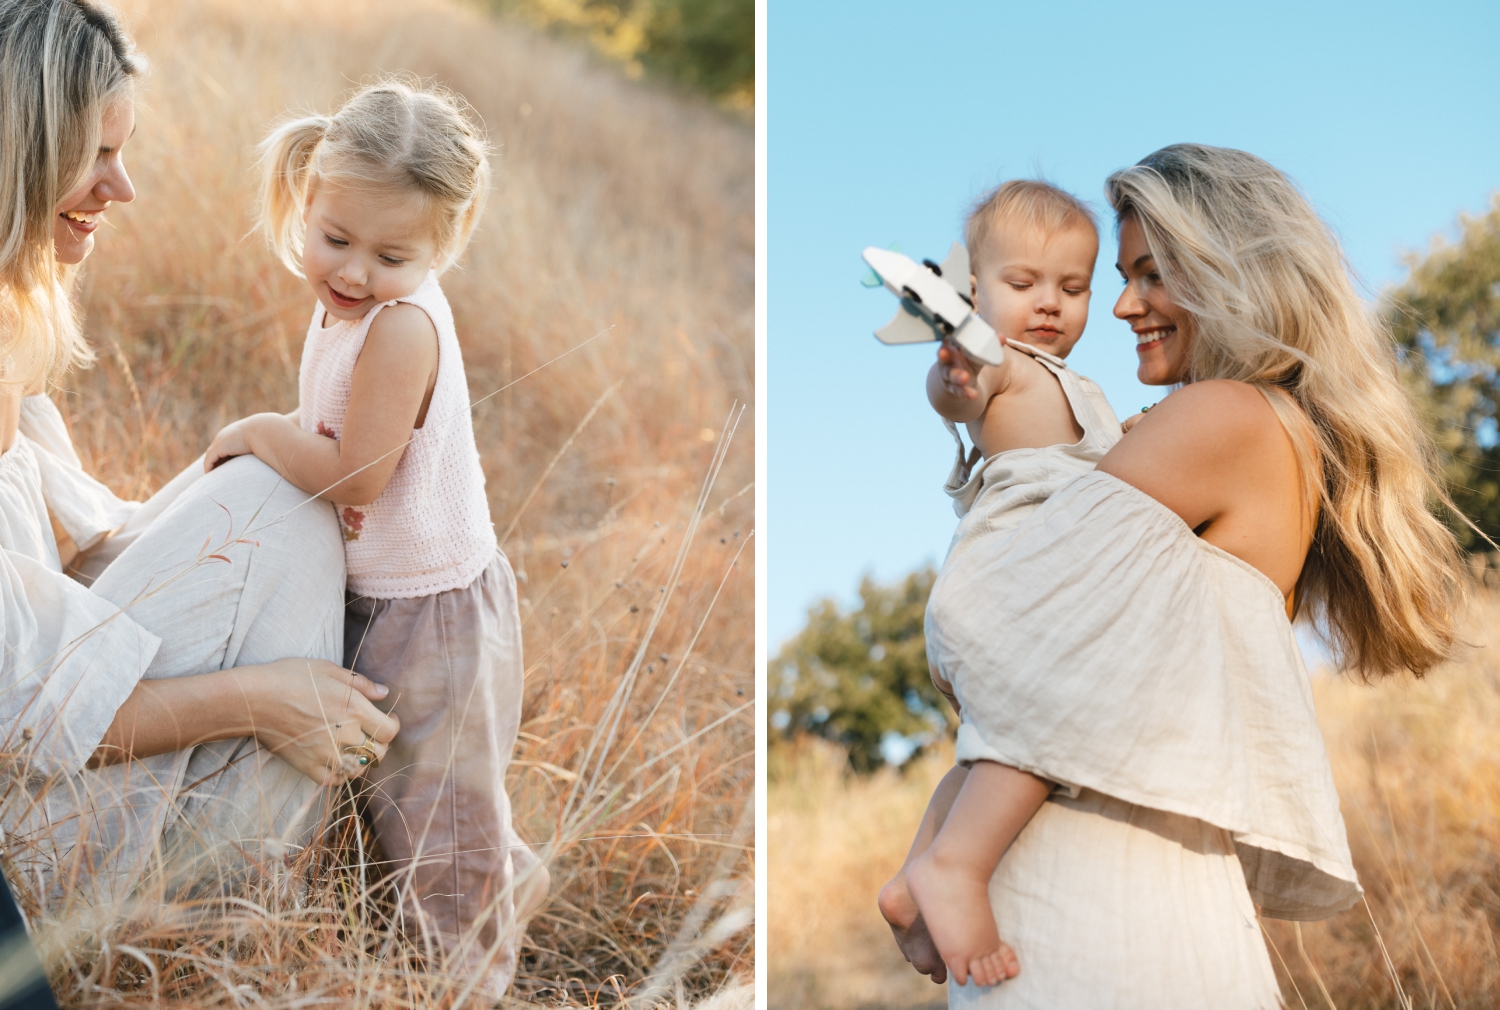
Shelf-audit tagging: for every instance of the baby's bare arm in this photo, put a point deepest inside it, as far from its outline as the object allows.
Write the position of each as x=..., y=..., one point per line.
x=960, y=388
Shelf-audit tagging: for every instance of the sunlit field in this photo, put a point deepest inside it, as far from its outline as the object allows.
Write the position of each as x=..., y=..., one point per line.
x=1418, y=774
x=619, y=479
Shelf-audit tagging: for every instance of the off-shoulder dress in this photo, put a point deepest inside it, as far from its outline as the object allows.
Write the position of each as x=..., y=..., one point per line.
x=1096, y=642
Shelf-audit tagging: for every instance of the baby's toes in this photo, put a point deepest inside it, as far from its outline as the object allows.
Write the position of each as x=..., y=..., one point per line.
x=1008, y=959
x=988, y=970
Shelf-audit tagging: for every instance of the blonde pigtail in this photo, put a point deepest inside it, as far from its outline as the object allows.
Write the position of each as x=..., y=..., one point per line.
x=396, y=135
x=286, y=164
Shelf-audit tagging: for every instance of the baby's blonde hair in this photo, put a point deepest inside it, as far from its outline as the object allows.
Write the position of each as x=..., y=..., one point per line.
x=1273, y=304
x=1029, y=202
x=62, y=62
x=396, y=134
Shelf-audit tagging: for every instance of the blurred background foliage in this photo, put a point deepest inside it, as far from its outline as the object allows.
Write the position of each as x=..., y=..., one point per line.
x=703, y=45
x=1446, y=318
x=859, y=679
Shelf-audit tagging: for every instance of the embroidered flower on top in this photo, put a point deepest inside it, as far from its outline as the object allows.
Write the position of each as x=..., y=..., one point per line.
x=353, y=521
x=326, y=431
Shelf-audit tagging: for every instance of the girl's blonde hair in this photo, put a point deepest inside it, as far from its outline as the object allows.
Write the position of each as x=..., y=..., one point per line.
x=62, y=62
x=395, y=134
x=1239, y=247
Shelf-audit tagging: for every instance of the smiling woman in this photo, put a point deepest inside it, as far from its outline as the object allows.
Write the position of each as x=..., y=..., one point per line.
x=1154, y=318
x=1138, y=727
x=154, y=734
x=79, y=213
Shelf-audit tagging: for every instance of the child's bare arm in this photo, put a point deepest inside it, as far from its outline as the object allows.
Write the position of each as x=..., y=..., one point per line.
x=392, y=383
x=960, y=388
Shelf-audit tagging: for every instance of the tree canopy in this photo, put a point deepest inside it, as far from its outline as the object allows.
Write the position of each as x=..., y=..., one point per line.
x=1446, y=320
x=705, y=45
x=860, y=678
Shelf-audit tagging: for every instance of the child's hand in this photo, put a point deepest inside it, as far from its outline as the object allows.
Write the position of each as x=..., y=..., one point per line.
x=233, y=440
x=228, y=443
x=959, y=372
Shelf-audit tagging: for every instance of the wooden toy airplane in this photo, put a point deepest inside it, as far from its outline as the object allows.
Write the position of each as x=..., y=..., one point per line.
x=935, y=303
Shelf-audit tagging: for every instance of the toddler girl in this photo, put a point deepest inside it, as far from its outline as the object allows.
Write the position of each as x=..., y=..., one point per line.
x=370, y=205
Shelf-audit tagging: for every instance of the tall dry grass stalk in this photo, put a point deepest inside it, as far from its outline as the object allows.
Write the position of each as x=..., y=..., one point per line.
x=1418, y=772
x=623, y=500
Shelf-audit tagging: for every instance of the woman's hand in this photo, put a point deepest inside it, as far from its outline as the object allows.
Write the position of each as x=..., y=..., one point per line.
x=306, y=711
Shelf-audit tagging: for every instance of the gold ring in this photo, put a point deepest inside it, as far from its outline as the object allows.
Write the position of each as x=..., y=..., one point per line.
x=364, y=753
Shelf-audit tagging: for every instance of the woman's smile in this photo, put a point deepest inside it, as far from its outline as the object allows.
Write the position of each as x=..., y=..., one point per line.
x=82, y=221
x=1152, y=337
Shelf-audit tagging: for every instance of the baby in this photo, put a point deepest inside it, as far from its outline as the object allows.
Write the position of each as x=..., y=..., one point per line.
x=1036, y=425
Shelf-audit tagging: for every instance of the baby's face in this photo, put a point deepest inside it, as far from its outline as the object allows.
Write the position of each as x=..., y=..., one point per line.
x=1033, y=286
x=364, y=248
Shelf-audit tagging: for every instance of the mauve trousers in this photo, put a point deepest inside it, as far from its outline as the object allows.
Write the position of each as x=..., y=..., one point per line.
x=437, y=800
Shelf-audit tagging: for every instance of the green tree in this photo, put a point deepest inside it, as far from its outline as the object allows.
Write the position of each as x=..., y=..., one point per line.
x=1446, y=318
x=705, y=45
x=860, y=678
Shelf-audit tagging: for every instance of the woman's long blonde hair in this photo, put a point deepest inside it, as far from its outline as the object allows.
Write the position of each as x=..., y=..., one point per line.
x=396, y=134
x=1239, y=247
x=62, y=62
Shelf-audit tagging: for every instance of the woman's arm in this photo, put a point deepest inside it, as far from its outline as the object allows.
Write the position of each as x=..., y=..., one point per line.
x=304, y=710
x=391, y=386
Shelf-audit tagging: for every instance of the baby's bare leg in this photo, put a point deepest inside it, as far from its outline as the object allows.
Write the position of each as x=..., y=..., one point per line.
x=896, y=903
x=950, y=881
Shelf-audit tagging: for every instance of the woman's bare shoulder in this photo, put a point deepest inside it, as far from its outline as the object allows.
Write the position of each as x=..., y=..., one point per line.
x=1217, y=406
x=1195, y=449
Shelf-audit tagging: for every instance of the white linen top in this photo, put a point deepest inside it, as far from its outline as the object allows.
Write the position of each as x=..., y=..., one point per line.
x=429, y=531
x=71, y=658
x=1003, y=489
x=1100, y=644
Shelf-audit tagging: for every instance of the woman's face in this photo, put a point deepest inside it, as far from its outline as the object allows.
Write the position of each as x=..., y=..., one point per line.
x=80, y=211
x=1163, y=330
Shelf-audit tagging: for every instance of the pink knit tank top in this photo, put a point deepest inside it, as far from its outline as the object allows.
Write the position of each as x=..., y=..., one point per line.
x=430, y=530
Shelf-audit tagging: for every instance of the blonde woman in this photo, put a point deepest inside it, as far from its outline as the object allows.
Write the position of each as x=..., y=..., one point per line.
x=1153, y=739
x=155, y=711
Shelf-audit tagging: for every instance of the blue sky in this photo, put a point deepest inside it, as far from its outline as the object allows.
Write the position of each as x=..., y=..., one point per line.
x=886, y=120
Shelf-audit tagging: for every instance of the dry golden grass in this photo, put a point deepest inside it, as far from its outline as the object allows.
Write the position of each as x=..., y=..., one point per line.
x=617, y=208
x=1418, y=773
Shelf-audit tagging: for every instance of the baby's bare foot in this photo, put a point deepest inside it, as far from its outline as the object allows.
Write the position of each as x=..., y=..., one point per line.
x=896, y=903
x=956, y=908
x=905, y=920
